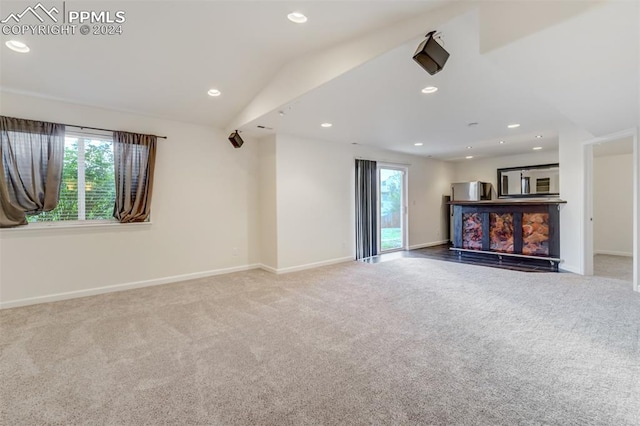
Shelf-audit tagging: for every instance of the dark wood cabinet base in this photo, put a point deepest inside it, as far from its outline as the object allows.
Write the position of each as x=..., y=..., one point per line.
x=528, y=230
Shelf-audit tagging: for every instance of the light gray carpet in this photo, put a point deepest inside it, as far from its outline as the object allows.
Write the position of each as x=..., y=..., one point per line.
x=618, y=267
x=410, y=341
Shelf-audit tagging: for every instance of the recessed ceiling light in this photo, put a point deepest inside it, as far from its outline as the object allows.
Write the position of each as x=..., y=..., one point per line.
x=502, y=142
x=537, y=148
x=430, y=89
x=213, y=92
x=469, y=157
x=418, y=144
x=538, y=136
x=513, y=126
x=469, y=147
x=17, y=46
x=297, y=17
x=326, y=124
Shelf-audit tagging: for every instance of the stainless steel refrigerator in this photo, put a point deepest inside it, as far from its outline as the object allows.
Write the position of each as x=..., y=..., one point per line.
x=471, y=191
x=468, y=191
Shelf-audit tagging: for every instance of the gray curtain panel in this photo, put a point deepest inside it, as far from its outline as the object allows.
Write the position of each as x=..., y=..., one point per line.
x=366, y=209
x=32, y=159
x=134, y=158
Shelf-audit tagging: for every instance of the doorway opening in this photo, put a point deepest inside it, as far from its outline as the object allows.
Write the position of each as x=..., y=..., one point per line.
x=611, y=207
x=392, y=209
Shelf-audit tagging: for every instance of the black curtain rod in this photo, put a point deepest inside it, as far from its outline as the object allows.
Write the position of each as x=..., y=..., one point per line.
x=104, y=130
x=95, y=128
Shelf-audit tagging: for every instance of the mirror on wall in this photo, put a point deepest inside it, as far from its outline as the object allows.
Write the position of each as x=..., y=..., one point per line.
x=529, y=181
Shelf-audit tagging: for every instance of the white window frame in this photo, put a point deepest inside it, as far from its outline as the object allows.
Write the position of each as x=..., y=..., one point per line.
x=83, y=135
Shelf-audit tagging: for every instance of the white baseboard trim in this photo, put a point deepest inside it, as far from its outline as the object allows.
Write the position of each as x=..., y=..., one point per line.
x=120, y=287
x=569, y=268
x=306, y=266
x=434, y=243
x=614, y=253
x=268, y=268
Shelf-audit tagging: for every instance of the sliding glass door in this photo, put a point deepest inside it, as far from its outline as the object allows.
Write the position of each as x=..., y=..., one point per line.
x=392, y=207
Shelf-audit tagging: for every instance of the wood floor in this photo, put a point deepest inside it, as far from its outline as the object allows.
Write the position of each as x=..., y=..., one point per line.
x=442, y=252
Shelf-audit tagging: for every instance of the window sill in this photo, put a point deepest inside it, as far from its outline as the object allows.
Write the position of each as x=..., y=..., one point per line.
x=78, y=224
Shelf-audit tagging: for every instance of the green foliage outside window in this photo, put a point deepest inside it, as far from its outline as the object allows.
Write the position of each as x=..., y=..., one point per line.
x=99, y=188
x=99, y=180
x=391, y=198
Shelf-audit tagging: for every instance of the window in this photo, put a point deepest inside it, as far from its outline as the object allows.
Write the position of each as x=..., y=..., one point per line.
x=88, y=184
x=392, y=220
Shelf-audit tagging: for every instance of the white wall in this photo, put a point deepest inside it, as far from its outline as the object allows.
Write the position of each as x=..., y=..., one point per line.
x=572, y=190
x=613, y=204
x=316, y=200
x=285, y=203
x=267, y=203
x=204, y=214
x=486, y=169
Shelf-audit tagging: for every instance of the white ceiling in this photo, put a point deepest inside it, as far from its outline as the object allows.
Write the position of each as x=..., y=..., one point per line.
x=588, y=66
x=582, y=70
x=172, y=52
x=380, y=103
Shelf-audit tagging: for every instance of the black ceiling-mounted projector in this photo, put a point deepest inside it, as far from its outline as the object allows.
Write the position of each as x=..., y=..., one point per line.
x=431, y=55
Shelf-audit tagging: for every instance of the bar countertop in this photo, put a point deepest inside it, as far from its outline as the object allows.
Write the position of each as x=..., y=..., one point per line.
x=508, y=202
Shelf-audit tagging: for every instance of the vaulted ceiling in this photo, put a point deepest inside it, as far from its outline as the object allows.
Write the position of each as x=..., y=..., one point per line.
x=541, y=64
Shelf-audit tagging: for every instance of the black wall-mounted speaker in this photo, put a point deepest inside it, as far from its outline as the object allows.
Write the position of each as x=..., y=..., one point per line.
x=430, y=55
x=235, y=139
